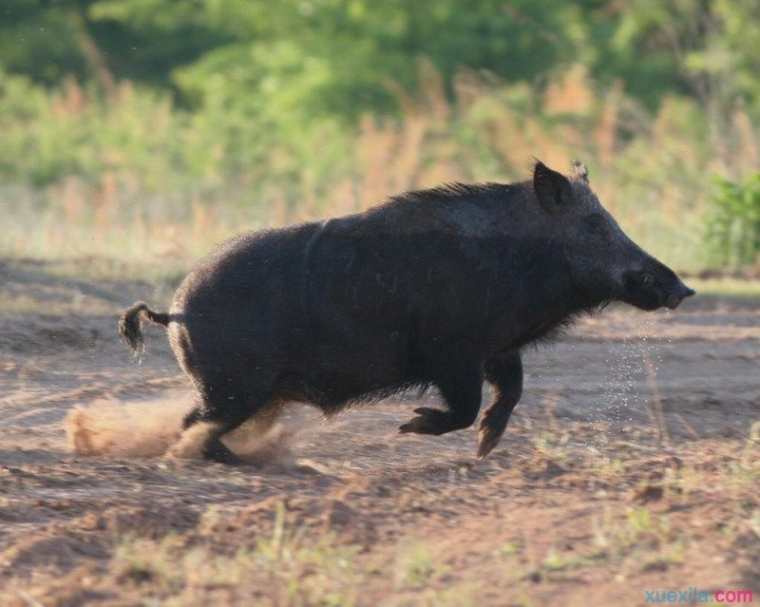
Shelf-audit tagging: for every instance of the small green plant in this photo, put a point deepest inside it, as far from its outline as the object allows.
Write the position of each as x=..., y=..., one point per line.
x=510, y=548
x=733, y=225
x=416, y=566
x=141, y=560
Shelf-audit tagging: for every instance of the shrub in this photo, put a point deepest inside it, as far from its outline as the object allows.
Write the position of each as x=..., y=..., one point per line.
x=733, y=228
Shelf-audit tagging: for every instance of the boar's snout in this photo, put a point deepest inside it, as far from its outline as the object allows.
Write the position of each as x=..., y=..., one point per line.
x=653, y=286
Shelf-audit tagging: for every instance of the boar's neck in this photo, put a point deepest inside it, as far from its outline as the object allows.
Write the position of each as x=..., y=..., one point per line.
x=546, y=298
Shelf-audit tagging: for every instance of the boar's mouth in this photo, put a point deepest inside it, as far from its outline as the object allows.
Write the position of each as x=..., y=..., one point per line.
x=674, y=299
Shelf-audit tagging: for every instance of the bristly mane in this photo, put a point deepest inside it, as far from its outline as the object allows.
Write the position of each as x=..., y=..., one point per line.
x=452, y=191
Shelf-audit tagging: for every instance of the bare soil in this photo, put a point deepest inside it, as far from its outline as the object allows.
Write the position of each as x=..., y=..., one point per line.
x=631, y=465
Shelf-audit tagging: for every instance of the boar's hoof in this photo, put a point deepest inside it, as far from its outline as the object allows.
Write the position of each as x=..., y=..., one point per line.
x=489, y=438
x=429, y=421
x=492, y=427
x=215, y=451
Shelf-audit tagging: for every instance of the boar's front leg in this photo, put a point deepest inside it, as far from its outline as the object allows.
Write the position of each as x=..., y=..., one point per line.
x=460, y=386
x=505, y=372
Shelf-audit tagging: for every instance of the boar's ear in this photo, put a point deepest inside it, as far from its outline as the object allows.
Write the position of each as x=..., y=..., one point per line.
x=553, y=189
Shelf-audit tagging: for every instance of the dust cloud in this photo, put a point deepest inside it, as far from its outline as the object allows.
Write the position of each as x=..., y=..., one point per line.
x=154, y=429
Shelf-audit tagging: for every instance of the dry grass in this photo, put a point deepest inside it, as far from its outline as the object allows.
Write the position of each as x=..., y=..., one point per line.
x=652, y=172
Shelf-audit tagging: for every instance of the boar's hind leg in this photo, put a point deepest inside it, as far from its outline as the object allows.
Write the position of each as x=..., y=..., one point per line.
x=505, y=372
x=461, y=389
x=215, y=418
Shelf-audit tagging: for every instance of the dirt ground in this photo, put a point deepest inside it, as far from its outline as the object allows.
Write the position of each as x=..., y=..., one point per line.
x=630, y=467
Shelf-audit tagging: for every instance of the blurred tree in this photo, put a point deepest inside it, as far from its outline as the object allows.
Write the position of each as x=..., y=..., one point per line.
x=42, y=39
x=49, y=40
x=705, y=48
x=339, y=56
x=301, y=58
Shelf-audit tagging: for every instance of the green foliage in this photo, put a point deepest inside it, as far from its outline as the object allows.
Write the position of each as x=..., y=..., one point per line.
x=93, y=39
x=345, y=57
x=40, y=40
x=733, y=227
x=139, y=136
x=707, y=49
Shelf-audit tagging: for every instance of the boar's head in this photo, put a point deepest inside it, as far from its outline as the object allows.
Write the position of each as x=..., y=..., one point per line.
x=604, y=264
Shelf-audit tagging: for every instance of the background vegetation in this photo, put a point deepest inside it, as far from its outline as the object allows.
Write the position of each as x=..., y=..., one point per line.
x=138, y=129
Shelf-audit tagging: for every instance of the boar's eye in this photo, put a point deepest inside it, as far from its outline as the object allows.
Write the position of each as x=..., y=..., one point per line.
x=647, y=280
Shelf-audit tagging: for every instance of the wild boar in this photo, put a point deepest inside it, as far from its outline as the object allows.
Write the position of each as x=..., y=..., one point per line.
x=439, y=287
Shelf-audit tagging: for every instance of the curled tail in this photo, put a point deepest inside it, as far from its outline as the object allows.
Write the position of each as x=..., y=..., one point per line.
x=129, y=324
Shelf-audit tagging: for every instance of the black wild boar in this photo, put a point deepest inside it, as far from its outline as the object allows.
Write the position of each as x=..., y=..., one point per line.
x=438, y=287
